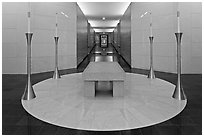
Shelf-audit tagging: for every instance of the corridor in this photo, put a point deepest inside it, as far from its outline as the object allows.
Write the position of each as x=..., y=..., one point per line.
x=46, y=53
x=107, y=54
x=100, y=54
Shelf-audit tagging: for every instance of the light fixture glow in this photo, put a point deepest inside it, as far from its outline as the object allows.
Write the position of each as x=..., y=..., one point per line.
x=96, y=9
x=64, y=14
x=107, y=23
x=103, y=30
x=145, y=14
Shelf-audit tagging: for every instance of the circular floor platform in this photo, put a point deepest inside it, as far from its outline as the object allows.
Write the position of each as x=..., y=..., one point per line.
x=146, y=102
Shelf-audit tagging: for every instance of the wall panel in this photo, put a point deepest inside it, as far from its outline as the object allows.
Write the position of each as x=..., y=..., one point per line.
x=125, y=35
x=82, y=36
x=164, y=26
x=91, y=37
x=14, y=26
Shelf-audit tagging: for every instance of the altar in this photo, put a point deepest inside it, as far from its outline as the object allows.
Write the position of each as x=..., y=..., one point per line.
x=103, y=71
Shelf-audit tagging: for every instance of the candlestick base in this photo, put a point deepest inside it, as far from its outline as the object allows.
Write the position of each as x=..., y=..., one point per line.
x=29, y=92
x=179, y=92
x=56, y=74
x=151, y=74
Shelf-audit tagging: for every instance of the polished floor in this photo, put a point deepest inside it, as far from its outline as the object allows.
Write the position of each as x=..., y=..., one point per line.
x=63, y=103
x=15, y=120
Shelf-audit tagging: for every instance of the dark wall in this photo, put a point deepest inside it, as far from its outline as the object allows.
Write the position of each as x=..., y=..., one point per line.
x=116, y=38
x=125, y=35
x=82, y=36
x=110, y=37
x=91, y=37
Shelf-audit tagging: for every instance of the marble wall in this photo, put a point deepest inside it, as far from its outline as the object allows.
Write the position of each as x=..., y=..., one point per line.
x=73, y=39
x=110, y=37
x=164, y=26
x=14, y=26
x=82, y=36
x=116, y=37
x=125, y=35
x=91, y=37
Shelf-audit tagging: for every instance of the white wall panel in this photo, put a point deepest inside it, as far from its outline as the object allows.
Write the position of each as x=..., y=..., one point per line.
x=164, y=27
x=14, y=24
x=198, y=22
x=196, y=35
x=196, y=64
x=13, y=65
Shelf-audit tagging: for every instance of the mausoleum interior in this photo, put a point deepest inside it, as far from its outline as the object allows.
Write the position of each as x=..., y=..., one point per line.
x=101, y=68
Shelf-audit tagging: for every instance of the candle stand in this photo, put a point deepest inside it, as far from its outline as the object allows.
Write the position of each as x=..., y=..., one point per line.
x=29, y=92
x=178, y=91
x=151, y=74
x=56, y=74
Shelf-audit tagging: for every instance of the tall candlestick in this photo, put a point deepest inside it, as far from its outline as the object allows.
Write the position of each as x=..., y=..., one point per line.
x=29, y=9
x=56, y=26
x=151, y=24
x=178, y=21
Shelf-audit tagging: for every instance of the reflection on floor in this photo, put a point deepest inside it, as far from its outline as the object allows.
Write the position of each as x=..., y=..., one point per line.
x=108, y=54
x=15, y=120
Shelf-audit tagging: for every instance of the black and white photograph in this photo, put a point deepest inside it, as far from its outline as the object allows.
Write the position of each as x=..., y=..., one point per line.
x=101, y=68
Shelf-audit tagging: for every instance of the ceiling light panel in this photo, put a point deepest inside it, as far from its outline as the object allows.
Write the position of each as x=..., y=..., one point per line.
x=106, y=23
x=103, y=14
x=103, y=8
x=103, y=30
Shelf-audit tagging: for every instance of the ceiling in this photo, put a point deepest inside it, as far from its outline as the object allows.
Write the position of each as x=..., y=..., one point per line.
x=96, y=11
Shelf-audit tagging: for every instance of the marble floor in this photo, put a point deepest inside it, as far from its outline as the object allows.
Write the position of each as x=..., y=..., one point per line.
x=62, y=102
x=16, y=121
